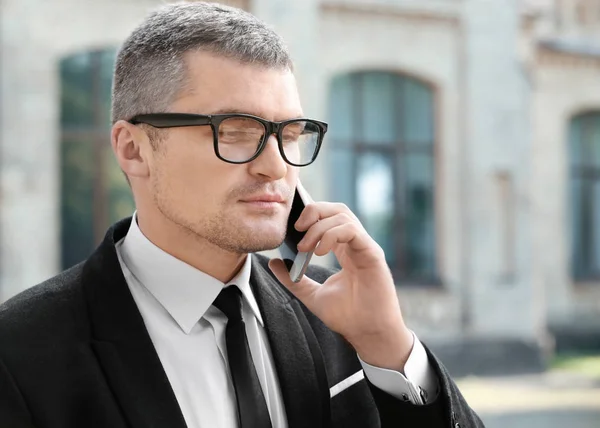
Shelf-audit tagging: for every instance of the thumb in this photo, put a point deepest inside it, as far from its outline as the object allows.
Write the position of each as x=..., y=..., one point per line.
x=304, y=290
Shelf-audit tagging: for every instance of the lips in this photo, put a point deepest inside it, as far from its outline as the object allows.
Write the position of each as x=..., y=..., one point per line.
x=265, y=198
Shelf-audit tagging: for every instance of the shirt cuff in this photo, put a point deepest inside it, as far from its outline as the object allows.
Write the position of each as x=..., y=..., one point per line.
x=418, y=384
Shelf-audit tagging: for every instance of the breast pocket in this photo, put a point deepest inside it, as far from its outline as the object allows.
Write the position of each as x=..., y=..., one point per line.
x=352, y=404
x=347, y=383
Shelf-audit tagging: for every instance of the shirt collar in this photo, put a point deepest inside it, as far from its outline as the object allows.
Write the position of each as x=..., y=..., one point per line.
x=184, y=291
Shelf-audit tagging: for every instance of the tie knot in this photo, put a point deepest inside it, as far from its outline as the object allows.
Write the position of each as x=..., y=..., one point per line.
x=229, y=301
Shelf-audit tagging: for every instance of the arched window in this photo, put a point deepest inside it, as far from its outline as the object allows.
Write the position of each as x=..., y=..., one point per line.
x=381, y=142
x=584, y=151
x=94, y=192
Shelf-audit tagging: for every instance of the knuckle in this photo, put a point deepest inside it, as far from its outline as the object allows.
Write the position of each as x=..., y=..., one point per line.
x=345, y=217
x=310, y=208
x=342, y=219
x=309, y=236
x=353, y=227
x=328, y=234
x=312, y=212
x=306, y=211
x=341, y=207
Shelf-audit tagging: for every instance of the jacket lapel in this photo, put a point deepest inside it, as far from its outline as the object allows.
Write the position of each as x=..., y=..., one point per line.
x=122, y=344
x=133, y=368
x=297, y=356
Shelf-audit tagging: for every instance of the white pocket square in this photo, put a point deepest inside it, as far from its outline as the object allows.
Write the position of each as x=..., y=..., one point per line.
x=346, y=383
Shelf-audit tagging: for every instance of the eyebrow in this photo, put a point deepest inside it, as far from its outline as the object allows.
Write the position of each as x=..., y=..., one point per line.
x=240, y=111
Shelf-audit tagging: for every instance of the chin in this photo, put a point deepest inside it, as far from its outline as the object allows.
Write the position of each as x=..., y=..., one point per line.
x=254, y=244
x=271, y=226
x=243, y=233
x=246, y=236
x=267, y=238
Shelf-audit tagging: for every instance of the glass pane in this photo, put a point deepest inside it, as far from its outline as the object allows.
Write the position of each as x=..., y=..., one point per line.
x=375, y=199
x=77, y=231
x=107, y=62
x=417, y=109
x=86, y=80
x=575, y=141
x=420, y=216
x=577, y=250
x=595, y=232
x=120, y=199
x=378, y=108
x=340, y=111
x=341, y=176
x=76, y=91
x=584, y=152
x=592, y=131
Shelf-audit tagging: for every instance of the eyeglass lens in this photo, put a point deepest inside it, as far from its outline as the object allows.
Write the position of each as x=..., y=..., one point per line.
x=239, y=139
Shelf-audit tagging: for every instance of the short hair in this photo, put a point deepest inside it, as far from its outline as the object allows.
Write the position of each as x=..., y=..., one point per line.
x=150, y=70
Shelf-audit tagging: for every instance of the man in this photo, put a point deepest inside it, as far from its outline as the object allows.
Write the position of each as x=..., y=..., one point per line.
x=173, y=321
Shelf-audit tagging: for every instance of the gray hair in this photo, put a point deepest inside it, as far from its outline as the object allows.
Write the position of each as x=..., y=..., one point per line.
x=150, y=70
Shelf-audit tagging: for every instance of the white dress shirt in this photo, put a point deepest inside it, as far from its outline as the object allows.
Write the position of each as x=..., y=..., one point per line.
x=188, y=333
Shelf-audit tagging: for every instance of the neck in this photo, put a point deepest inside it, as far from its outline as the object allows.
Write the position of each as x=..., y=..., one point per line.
x=190, y=248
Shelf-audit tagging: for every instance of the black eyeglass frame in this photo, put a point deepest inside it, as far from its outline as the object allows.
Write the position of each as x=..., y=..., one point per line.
x=175, y=120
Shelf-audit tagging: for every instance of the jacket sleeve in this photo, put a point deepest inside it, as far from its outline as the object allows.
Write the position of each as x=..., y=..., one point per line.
x=13, y=410
x=449, y=410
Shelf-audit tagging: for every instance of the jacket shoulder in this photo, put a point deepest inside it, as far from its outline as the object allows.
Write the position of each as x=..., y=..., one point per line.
x=49, y=311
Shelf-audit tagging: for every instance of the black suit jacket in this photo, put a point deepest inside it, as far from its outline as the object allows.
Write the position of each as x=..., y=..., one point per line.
x=74, y=353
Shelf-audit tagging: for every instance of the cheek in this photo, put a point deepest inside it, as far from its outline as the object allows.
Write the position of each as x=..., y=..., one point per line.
x=190, y=160
x=195, y=178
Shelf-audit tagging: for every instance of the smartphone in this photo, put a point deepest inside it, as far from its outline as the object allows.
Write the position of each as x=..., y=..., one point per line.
x=296, y=262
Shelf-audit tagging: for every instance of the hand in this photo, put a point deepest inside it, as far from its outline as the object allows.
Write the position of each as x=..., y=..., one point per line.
x=360, y=301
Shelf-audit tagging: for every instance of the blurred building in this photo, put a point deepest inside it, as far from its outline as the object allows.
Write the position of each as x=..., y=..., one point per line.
x=464, y=133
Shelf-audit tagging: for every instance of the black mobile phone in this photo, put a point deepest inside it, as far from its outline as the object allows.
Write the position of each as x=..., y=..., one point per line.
x=296, y=262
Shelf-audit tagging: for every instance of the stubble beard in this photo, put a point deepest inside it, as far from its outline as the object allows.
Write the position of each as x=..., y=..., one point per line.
x=234, y=236
x=222, y=230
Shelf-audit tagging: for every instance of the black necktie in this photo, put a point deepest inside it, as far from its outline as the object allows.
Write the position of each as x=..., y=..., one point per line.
x=251, y=404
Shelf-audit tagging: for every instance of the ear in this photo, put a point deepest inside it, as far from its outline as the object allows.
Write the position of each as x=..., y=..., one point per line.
x=131, y=147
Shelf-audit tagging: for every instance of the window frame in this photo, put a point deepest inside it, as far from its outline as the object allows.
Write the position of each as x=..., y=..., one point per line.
x=397, y=149
x=589, y=175
x=96, y=134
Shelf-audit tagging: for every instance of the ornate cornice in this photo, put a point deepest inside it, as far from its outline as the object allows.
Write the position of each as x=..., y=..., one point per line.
x=241, y=4
x=546, y=55
x=340, y=6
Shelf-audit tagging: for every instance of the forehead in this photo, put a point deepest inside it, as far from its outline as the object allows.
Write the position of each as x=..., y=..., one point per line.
x=217, y=84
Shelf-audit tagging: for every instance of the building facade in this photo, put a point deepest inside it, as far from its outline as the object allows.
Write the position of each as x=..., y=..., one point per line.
x=464, y=133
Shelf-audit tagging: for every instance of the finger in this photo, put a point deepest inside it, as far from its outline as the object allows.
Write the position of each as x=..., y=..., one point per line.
x=319, y=211
x=304, y=290
x=315, y=233
x=346, y=233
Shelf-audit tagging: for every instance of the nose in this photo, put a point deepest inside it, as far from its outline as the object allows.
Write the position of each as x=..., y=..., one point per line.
x=270, y=163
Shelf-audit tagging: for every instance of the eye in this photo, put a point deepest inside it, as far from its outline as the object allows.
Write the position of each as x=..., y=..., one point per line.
x=293, y=131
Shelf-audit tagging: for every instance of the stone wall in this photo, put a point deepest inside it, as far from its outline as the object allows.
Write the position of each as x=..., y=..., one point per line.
x=34, y=36
x=502, y=107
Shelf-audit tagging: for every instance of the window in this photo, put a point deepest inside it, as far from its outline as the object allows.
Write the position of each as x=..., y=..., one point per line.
x=584, y=154
x=94, y=193
x=381, y=142
x=586, y=12
x=582, y=7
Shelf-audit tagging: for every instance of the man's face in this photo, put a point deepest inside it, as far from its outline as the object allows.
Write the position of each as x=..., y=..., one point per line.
x=207, y=196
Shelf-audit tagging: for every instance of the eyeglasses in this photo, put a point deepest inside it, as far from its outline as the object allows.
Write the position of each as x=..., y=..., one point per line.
x=240, y=138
